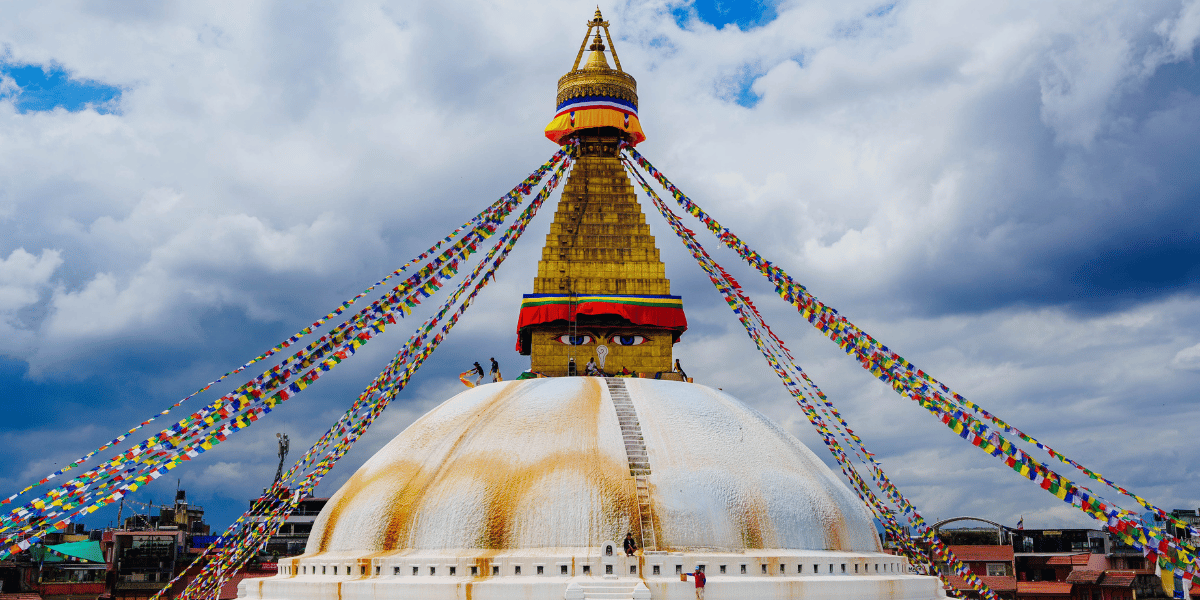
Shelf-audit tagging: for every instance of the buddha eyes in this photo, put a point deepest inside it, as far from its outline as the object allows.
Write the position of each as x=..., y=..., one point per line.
x=618, y=340
x=628, y=340
x=577, y=340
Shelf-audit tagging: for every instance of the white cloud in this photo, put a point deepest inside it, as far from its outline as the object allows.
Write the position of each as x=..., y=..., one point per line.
x=22, y=274
x=1187, y=359
x=23, y=277
x=1183, y=31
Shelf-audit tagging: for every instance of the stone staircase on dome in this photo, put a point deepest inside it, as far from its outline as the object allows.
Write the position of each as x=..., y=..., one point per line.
x=609, y=589
x=639, y=460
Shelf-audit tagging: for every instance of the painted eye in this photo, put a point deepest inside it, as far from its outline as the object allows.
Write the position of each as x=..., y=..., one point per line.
x=628, y=340
x=577, y=340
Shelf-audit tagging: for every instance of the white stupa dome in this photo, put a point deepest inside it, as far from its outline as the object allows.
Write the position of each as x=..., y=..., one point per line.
x=542, y=463
x=525, y=489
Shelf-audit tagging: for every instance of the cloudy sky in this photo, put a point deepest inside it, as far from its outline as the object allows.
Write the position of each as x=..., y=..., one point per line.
x=1003, y=192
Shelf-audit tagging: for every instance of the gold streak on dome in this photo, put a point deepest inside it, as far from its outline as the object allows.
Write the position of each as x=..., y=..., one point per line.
x=596, y=78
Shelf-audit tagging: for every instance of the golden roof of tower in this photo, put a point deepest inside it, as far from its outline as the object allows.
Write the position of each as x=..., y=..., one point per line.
x=596, y=78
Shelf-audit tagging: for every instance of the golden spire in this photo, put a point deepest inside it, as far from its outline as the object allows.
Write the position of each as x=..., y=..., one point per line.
x=601, y=288
x=596, y=78
x=596, y=96
x=596, y=58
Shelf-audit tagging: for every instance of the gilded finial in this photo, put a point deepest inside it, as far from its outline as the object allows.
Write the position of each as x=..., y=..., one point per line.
x=597, y=44
x=594, y=82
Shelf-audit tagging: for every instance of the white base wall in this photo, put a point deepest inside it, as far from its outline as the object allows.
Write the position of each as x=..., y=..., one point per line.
x=902, y=587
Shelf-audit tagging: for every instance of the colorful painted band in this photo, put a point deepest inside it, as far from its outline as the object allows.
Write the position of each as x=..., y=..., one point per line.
x=664, y=312
x=622, y=105
x=570, y=121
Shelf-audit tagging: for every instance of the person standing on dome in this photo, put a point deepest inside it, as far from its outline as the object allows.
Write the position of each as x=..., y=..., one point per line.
x=630, y=545
x=496, y=371
x=478, y=370
x=700, y=581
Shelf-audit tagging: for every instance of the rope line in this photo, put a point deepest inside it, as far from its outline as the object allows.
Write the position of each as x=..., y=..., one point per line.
x=152, y=458
x=806, y=392
x=948, y=406
x=249, y=534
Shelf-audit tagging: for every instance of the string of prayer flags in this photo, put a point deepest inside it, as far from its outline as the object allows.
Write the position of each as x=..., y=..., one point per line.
x=251, y=531
x=521, y=188
x=805, y=391
x=212, y=424
x=947, y=406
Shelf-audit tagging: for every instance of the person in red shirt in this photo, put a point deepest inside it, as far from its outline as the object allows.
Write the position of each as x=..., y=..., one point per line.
x=700, y=579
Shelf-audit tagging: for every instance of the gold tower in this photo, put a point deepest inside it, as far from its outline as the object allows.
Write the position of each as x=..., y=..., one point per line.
x=601, y=290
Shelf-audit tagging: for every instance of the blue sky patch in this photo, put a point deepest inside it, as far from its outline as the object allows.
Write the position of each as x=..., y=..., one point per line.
x=43, y=90
x=745, y=14
x=882, y=10
x=745, y=95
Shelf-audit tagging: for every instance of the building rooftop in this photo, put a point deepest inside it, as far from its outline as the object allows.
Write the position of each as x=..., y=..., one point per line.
x=983, y=553
x=1118, y=578
x=1005, y=583
x=1074, y=559
x=1044, y=588
x=1084, y=576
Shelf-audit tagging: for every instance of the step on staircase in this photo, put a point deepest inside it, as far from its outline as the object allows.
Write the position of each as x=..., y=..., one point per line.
x=607, y=590
x=639, y=460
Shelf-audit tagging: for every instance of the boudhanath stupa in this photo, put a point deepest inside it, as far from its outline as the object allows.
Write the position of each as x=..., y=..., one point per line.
x=526, y=489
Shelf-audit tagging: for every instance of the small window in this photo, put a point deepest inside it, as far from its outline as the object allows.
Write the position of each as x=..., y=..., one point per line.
x=541, y=570
x=743, y=569
x=475, y=571
x=876, y=567
x=517, y=570
x=495, y=569
x=587, y=569
x=782, y=569
x=362, y=570
x=843, y=567
x=996, y=570
x=395, y=570
x=453, y=570
x=764, y=569
x=855, y=567
x=416, y=570
x=304, y=570
x=376, y=570
x=562, y=569
x=322, y=569
x=679, y=569
x=633, y=569
x=608, y=570
x=799, y=569
x=831, y=568
x=608, y=549
x=335, y=569
x=722, y=568
x=433, y=570
x=656, y=570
